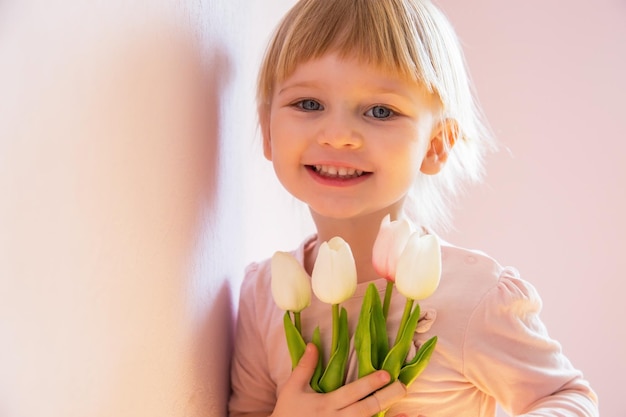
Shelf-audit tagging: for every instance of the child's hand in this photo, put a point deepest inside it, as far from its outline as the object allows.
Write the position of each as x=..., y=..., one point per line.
x=351, y=400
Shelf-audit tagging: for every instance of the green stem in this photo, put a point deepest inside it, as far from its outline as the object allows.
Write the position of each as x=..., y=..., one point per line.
x=405, y=317
x=297, y=322
x=335, y=339
x=387, y=299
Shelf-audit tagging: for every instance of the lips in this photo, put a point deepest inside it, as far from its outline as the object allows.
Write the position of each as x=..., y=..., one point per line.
x=330, y=171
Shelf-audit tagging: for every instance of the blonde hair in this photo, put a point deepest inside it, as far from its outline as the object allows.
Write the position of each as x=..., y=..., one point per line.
x=410, y=38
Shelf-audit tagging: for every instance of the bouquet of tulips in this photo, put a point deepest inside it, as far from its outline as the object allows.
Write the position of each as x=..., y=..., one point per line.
x=409, y=261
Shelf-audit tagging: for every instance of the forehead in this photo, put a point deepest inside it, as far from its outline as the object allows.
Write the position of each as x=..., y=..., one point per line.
x=335, y=65
x=338, y=61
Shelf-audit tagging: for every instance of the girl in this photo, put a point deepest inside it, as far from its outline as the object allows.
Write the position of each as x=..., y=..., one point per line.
x=366, y=110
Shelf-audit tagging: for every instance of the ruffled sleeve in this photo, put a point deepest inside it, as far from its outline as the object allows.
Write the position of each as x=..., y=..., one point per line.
x=508, y=354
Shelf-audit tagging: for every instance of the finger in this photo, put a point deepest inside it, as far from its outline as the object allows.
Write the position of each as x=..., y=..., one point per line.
x=361, y=388
x=381, y=399
x=302, y=373
x=390, y=395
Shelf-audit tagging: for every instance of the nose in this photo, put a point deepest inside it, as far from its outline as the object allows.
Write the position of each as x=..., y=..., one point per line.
x=340, y=132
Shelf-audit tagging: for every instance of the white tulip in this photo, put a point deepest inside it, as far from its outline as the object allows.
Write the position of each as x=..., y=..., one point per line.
x=291, y=287
x=334, y=273
x=419, y=267
x=390, y=242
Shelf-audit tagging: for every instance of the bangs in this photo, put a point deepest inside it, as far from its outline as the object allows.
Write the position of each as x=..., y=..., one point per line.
x=374, y=32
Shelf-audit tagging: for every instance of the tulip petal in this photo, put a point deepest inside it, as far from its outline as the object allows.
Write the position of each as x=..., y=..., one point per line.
x=291, y=285
x=334, y=272
x=419, y=267
x=390, y=241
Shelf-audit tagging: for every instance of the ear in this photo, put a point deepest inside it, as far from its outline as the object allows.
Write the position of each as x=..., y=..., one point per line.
x=264, y=123
x=443, y=139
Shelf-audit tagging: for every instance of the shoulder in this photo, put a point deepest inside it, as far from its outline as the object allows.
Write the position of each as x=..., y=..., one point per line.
x=473, y=277
x=255, y=290
x=477, y=294
x=472, y=268
x=256, y=274
x=484, y=284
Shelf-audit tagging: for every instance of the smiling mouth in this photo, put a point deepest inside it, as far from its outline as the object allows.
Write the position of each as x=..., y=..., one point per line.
x=330, y=171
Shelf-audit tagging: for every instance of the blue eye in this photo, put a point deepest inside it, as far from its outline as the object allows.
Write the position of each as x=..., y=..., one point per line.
x=380, y=112
x=309, y=105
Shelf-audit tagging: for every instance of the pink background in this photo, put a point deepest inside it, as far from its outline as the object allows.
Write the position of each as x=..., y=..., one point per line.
x=550, y=76
x=133, y=191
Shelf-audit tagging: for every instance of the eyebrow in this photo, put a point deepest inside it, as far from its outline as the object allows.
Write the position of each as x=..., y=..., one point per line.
x=303, y=84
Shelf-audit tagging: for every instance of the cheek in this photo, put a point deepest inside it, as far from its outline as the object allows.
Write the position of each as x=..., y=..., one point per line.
x=281, y=143
x=405, y=165
x=401, y=152
x=285, y=149
x=282, y=129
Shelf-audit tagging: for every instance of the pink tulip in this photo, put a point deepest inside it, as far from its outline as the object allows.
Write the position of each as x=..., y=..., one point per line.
x=390, y=242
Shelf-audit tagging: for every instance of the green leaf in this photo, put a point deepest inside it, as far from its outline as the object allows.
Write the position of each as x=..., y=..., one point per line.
x=397, y=355
x=387, y=298
x=363, y=335
x=370, y=339
x=295, y=342
x=315, y=379
x=335, y=372
x=378, y=327
x=413, y=369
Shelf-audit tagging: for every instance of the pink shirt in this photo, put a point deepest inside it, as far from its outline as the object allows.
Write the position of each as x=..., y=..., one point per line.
x=492, y=346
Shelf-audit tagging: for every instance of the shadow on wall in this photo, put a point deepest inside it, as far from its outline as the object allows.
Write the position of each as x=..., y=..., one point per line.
x=212, y=359
x=115, y=297
x=211, y=292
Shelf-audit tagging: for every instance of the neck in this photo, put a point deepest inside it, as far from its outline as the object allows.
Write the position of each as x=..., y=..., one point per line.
x=360, y=233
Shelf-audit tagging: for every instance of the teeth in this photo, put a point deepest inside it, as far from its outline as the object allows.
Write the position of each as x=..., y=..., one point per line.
x=339, y=172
